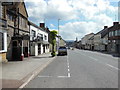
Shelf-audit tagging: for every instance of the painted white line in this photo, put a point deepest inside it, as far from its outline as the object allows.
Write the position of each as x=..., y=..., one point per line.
x=68, y=70
x=27, y=81
x=112, y=66
x=94, y=58
x=45, y=76
x=68, y=66
x=62, y=76
x=68, y=74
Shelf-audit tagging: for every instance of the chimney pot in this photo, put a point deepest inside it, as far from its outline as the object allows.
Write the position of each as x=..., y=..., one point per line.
x=105, y=27
x=115, y=23
x=42, y=25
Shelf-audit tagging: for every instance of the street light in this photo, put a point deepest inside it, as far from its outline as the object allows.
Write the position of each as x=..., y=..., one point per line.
x=58, y=33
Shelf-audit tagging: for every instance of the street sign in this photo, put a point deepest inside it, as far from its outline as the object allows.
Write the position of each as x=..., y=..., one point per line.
x=7, y=3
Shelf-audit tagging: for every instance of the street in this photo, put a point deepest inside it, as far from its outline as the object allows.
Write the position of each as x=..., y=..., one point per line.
x=79, y=69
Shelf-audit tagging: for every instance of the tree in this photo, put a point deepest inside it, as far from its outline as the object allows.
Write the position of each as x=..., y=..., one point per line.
x=53, y=35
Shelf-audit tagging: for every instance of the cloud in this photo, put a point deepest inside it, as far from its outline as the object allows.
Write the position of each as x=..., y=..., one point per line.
x=77, y=29
x=80, y=16
x=52, y=25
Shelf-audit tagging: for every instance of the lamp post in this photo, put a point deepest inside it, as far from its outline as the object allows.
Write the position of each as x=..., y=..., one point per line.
x=58, y=34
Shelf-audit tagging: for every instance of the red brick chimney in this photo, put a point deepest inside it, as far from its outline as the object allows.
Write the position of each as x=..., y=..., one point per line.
x=42, y=25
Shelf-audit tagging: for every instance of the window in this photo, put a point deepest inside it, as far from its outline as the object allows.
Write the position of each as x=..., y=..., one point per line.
x=45, y=37
x=116, y=33
x=112, y=33
x=1, y=41
x=10, y=17
x=33, y=34
x=23, y=22
x=41, y=35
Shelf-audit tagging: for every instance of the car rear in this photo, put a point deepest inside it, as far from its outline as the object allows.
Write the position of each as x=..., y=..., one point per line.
x=62, y=51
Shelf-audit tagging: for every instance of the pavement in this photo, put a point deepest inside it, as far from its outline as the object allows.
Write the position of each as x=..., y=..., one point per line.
x=15, y=74
x=79, y=69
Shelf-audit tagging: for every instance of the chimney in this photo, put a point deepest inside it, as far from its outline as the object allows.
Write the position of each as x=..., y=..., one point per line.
x=115, y=23
x=42, y=25
x=105, y=27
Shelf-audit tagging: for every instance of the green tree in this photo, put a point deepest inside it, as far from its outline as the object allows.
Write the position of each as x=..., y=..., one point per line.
x=53, y=35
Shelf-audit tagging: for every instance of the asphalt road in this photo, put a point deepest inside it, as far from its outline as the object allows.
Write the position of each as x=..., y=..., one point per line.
x=79, y=69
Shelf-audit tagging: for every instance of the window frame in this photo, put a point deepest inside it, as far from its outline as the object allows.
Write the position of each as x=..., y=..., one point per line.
x=4, y=49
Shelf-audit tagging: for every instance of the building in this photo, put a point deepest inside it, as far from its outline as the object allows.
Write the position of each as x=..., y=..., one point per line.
x=85, y=41
x=38, y=40
x=101, y=40
x=17, y=32
x=104, y=39
x=3, y=35
x=114, y=38
x=91, y=42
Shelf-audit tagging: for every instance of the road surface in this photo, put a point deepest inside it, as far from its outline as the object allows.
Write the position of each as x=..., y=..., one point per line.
x=79, y=69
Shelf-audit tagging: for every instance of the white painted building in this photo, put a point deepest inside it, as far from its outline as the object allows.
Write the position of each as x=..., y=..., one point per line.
x=3, y=36
x=38, y=40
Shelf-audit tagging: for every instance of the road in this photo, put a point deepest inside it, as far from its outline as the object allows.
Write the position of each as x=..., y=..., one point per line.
x=79, y=69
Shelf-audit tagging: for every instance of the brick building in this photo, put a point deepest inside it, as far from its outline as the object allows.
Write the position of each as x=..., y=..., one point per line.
x=114, y=38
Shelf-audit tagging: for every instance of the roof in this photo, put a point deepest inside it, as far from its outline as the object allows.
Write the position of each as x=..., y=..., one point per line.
x=103, y=32
x=115, y=27
x=31, y=23
x=91, y=38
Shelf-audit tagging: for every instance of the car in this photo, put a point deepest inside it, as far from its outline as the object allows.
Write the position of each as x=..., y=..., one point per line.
x=62, y=50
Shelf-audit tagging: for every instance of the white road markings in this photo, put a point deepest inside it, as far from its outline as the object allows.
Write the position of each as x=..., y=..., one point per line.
x=112, y=66
x=68, y=70
x=101, y=62
x=62, y=76
x=93, y=58
x=68, y=74
x=68, y=67
x=45, y=76
x=23, y=85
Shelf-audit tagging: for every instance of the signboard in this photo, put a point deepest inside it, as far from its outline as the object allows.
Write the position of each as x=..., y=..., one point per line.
x=7, y=3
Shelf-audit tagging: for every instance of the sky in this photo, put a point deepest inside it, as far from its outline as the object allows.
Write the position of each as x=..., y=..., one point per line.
x=76, y=17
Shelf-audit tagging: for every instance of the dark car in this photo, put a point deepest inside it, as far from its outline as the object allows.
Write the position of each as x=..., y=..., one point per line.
x=62, y=50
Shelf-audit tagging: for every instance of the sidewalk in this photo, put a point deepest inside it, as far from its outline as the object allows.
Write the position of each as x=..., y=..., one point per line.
x=15, y=73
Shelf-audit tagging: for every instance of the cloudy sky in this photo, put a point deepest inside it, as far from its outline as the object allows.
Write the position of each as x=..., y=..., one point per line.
x=77, y=17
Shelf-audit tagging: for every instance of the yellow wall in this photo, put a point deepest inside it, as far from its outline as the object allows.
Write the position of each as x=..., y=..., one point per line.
x=3, y=55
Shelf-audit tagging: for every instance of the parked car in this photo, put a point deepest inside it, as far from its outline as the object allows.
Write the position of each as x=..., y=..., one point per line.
x=62, y=50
